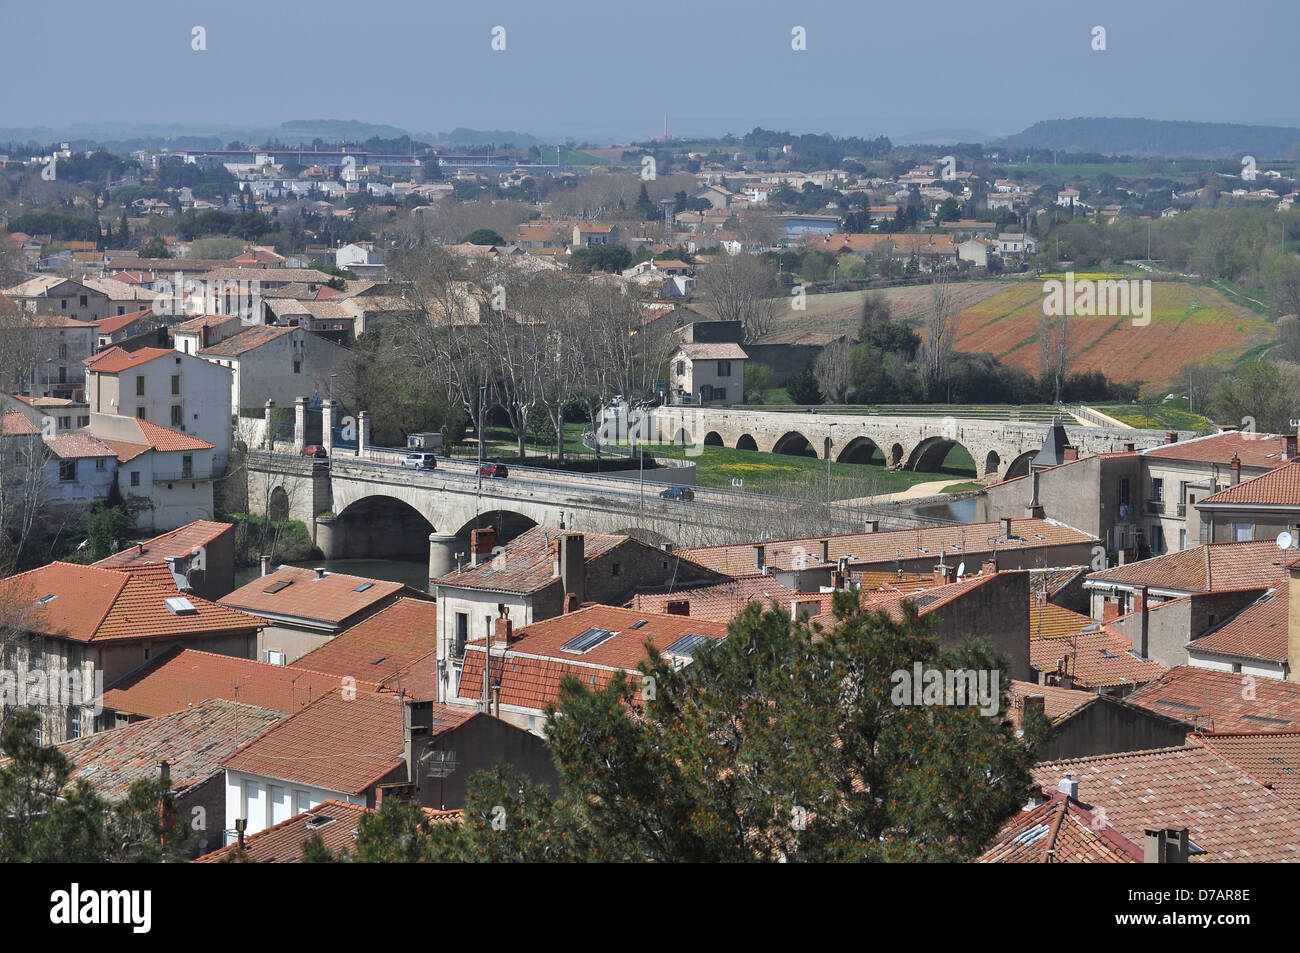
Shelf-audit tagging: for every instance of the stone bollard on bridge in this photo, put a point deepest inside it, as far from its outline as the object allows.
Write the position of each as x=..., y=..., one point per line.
x=363, y=432
x=299, y=424
x=268, y=435
x=327, y=425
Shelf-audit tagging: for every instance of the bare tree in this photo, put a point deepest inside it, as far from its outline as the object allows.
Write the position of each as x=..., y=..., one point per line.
x=935, y=353
x=1054, y=345
x=744, y=288
x=834, y=370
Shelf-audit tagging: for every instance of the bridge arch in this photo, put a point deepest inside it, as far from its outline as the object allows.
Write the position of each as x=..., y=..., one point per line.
x=713, y=439
x=1020, y=465
x=861, y=450
x=377, y=526
x=746, y=442
x=929, y=455
x=992, y=463
x=896, y=456
x=794, y=444
x=277, y=505
x=507, y=523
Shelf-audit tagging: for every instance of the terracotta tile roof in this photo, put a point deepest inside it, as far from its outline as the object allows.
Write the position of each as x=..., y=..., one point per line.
x=1060, y=831
x=1208, y=568
x=721, y=351
x=114, y=360
x=151, y=437
x=1210, y=700
x=397, y=645
x=192, y=740
x=75, y=446
x=332, y=598
x=244, y=341
x=1058, y=702
x=531, y=669
x=960, y=542
x=1228, y=814
x=927, y=600
x=719, y=602
x=182, y=541
x=16, y=424
x=86, y=603
x=1258, y=631
x=1279, y=487
x=109, y=325
x=338, y=743
x=180, y=677
x=1271, y=757
x=194, y=325
x=1098, y=659
x=1253, y=449
x=334, y=820
x=1049, y=621
x=526, y=564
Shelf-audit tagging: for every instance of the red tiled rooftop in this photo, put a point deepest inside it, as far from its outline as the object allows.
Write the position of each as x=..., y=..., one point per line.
x=397, y=646
x=1228, y=814
x=1258, y=631
x=526, y=564
x=1208, y=568
x=338, y=743
x=1252, y=449
x=1098, y=659
x=1060, y=831
x=333, y=598
x=1272, y=757
x=114, y=360
x=1280, y=487
x=180, y=676
x=93, y=604
x=1221, y=701
x=182, y=541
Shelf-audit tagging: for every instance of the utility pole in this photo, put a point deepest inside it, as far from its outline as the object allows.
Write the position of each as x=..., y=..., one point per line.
x=482, y=388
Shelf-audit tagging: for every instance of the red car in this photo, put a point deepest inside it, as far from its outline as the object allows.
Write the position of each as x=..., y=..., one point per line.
x=494, y=470
x=314, y=450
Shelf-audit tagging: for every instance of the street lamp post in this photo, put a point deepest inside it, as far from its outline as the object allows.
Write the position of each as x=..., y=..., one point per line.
x=830, y=442
x=482, y=392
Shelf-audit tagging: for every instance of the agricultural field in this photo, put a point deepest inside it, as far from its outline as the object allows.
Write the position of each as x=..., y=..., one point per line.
x=837, y=313
x=1188, y=323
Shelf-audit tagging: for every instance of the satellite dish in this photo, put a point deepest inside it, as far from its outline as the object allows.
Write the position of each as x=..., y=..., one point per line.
x=1284, y=540
x=961, y=570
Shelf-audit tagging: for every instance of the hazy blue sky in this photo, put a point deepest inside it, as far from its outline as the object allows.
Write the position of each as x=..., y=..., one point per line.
x=611, y=69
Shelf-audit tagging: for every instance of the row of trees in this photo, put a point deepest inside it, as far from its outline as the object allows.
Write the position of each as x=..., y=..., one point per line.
x=489, y=335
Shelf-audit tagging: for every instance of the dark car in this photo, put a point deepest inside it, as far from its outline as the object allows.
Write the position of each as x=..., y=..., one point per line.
x=314, y=450
x=682, y=493
x=494, y=470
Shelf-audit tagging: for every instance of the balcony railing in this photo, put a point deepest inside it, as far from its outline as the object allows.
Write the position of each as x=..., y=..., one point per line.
x=1154, y=507
x=175, y=476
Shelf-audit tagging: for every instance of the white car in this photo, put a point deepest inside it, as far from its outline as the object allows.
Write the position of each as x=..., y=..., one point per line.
x=420, y=461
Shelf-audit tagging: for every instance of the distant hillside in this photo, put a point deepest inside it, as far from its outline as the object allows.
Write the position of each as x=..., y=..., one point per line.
x=1209, y=140
x=333, y=130
x=483, y=137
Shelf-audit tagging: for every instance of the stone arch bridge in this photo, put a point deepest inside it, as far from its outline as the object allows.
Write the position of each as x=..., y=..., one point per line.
x=1000, y=449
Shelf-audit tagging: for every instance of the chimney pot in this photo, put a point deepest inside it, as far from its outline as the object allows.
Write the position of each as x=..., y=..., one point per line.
x=570, y=602
x=1006, y=526
x=266, y=564
x=873, y=526
x=1130, y=447
x=1069, y=786
x=504, y=628
x=1290, y=446
x=320, y=572
x=1171, y=436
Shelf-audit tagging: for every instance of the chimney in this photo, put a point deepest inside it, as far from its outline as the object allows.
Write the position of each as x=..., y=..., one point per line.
x=241, y=825
x=944, y=574
x=1130, y=447
x=760, y=557
x=1109, y=609
x=320, y=572
x=496, y=700
x=1171, y=436
x=1235, y=463
x=503, y=628
x=1006, y=527
x=837, y=579
x=1290, y=446
x=989, y=568
x=1141, y=604
x=678, y=607
x=1037, y=703
x=1068, y=785
x=573, y=566
x=873, y=526
x=826, y=550
x=165, y=774
x=1070, y=452
x=481, y=543
x=1166, y=846
x=266, y=564
x=570, y=602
